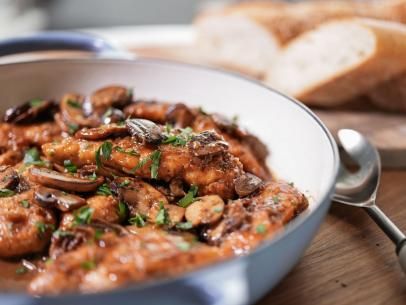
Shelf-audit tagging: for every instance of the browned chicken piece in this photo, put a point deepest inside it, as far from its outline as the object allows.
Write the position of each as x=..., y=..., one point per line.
x=11, y=157
x=153, y=111
x=19, y=136
x=213, y=169
x=132, y=258
x=247, y=222
x=25, y=227
x=242, y=151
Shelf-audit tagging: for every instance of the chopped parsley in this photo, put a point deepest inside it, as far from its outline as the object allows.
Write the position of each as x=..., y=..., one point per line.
x=72, y=128
x=155, y=157
x=98, y=234
x=184, y=225
x=32, y=157
x=261, y=229
x=6, y=193
x=217, y=209
x=138, y=220
x=162, y=218
x=180, y=139
x=21, y=270
x=275, y=199
x=25, y=203
x=74, y=104
x=43, y=228
x=103, y=151
x=183, y=245
x=69, y=166
x=189, y=197
x=93, y=176
x=122, y=210
x=88, y=265
x=36, y=102
x=83, y=215
x=130, y=152
x=124, y=183
x=62, y=233
x=104, y=190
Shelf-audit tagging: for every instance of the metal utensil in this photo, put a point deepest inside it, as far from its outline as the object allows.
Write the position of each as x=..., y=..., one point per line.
x=359, y=188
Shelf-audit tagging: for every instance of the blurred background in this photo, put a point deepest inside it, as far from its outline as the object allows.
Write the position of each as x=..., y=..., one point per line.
x=23, y=16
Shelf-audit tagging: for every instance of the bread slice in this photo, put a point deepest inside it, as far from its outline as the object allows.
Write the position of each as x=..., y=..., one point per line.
x=390, y=95
x=340, y=60
x=248, y=35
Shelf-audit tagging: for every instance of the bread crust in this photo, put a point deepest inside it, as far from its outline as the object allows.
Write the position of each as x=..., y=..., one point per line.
x=390, y=95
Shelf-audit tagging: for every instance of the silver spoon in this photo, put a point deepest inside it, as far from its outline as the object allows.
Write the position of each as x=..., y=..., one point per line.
x=359, y=189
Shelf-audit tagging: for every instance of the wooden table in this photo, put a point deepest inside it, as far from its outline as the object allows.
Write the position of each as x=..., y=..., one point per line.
x=350, y=261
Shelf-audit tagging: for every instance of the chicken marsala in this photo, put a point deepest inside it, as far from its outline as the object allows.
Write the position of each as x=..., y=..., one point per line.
x=103, y=191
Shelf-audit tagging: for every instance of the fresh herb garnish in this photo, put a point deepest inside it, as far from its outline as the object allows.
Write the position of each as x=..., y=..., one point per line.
x=189, y=197
x=93, y=176
x=69, y=166
x=72, y=128
x=43, y=228
x=217, y=209
x=184, y=225
x=180, y=139
x=183, y=245
x=32, y=157
x=74, y=104
x=88, y=265
x=61, y=233
x=36, y=102
x=104, y=190
x=130, y=152
x=138, y=220
x=21, y=270
x=275, y=199
x=124, y=183
x=25, y=203
x=103, y=151
x=162, y=218
x=83, y=215
x=122, y=210
x=155, y=157
x=6, y=193
x=261, y=229
x=98, y=234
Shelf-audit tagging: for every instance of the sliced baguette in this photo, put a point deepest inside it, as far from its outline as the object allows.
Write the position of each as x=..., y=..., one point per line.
x=340, y=60
x=390, y=95
x=247, y=36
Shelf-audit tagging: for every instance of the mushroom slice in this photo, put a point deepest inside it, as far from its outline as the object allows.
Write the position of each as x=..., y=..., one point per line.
x=9, y=178
x=113, y=115
x=28, y=111
x=110, y=96
x=52, y=198
x=62, y=181
x=205, y=210
x=246, y=184
x=207, y=143
x=180, y=115
x=102, y=132
x=145, y=131
x=172, y=214
x=72, y=112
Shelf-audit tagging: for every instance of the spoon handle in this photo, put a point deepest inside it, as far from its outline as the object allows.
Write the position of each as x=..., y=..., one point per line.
x=391, y=230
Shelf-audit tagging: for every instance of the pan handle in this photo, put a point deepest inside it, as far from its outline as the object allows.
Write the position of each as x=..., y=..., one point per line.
x=56, y=40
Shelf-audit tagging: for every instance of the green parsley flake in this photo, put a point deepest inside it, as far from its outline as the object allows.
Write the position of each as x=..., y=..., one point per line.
x=36, y=102
x=98, y=234
x=69, y=166
x=32, y=157
x=189, y=197
x=184, y=225
x=6, y=193
x=72, y=128
x=25, y=203
x=83, y=215
x=61, y=233
x=180, y=139
x=104, y=190
x=155, y=158
x=74, y=104
x=275, y=199
x=217, y=209
x=122, y=210
x=130, y=152
x=261, y=229
x=43, y=228
x=183, y=245
x=124, y=183
x=162, y=218
x=21, y=270
x=103, y=151
x=88, y=265
x=138, y=220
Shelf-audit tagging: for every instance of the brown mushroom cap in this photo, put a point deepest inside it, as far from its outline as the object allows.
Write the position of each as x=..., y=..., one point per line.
x=180, y=115
x=246, y=184
x=110, y=96
x=9, y=178
x=145, y=131
x=72, y=111
x=63, y=181
x=205, y=210
x=28, y=111
x=207, y=143
x=102, y=132
x=52, y=198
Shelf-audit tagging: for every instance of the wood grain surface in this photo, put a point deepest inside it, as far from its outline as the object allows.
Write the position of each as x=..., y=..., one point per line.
x=350, y=261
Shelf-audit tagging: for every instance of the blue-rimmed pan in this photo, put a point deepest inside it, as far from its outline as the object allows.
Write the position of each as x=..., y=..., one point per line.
x=302, y=151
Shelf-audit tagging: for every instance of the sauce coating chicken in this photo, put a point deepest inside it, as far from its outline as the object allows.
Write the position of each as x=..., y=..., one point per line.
x=112, y=191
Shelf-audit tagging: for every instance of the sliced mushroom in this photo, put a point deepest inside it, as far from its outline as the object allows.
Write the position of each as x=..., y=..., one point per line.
x=28, y=112
x=205, y=210
x=259, y=149
x=63, y=181
x=175, y=213
x=246, y=184
x=113, y=115
x=52, y=198
x=9, y=178
x=102, y=132
x=180, y=115
x=88, y=171
x=145, y=131
x=111, y=96
x=207, y=143
x=139, y=195
x=72, y=112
